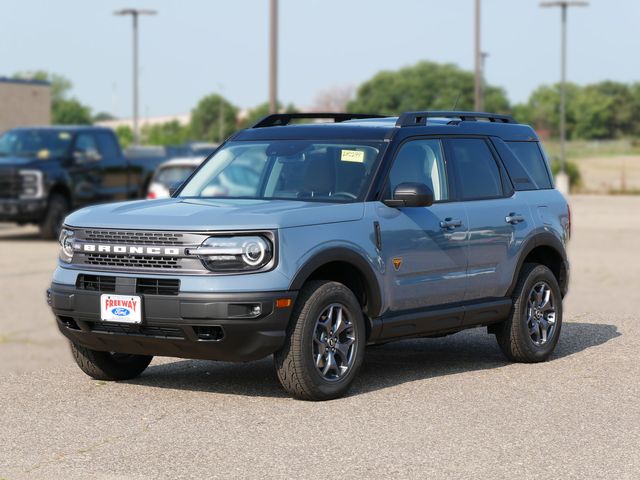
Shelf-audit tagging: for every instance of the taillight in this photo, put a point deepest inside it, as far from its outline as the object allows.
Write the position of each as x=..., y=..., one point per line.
x=151, y=195
x=568, y=221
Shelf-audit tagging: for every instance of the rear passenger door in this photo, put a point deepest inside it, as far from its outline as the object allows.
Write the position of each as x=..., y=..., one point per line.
x=498, y=219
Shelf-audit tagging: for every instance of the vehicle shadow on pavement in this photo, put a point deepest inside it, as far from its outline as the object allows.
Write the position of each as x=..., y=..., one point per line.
x=384, y=366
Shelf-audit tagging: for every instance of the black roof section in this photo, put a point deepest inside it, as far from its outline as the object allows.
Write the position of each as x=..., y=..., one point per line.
x=25, y=81
x=376, y=127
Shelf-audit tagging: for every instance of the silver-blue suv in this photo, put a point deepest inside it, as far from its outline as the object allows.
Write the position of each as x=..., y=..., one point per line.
x=310, y=241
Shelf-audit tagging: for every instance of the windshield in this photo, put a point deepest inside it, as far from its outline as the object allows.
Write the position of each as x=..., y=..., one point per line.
x=287, y=169
x=35, y=143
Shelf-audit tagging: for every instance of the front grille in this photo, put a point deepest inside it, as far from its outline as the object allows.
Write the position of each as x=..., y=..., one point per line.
x=109, y=254
x=133, y=238
x=148, y=330
x=10, y=184
x=157, y=286
x=144, y=286
x=132, y=261
x=96, y=283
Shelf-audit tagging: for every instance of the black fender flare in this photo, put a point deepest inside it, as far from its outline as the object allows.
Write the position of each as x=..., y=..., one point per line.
x=542, y=239
x=347, y=255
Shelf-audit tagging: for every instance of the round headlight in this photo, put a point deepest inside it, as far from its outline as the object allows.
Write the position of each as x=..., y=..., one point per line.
x=254, y=251
x=235, y=254
x=66, y=239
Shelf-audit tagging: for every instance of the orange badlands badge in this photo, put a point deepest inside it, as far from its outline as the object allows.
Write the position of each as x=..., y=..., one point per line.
x=397, y=262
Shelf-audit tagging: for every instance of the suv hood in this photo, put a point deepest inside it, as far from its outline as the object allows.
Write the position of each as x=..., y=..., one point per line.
x=213, y=214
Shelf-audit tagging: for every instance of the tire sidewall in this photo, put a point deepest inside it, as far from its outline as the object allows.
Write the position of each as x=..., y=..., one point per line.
x=538, y=274
x=320, y=300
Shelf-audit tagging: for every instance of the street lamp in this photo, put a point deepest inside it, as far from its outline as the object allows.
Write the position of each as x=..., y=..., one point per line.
x=477, y=94
x=273, y=58
x=135, y=12
x=564, y=5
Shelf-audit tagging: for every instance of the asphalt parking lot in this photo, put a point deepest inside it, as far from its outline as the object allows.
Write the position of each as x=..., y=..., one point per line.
x=434, y=408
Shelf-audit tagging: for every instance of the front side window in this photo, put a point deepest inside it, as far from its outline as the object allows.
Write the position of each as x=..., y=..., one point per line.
x=477, y=171
x=287, y=169
x=421, y=161
x=86, y=145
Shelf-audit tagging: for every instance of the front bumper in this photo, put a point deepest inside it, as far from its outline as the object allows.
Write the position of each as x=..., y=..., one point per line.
x=187, y=325
x=22, y=210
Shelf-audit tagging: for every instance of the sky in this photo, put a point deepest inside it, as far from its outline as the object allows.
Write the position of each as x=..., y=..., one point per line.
x=196, y=47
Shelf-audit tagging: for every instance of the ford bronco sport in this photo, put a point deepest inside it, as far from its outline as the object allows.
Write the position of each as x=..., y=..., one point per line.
x=311, y=241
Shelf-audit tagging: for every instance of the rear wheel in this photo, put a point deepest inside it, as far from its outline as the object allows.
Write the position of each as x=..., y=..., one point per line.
x=325, y=343
x=57, y=209
x=109, y=365
x=532, y=331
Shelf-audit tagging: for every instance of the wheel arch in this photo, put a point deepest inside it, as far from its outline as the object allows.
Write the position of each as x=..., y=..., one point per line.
x=545, y=249
x=348, y=267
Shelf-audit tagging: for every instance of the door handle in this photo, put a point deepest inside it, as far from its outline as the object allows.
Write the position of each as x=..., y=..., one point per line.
x=514, y=218
x=450, y=223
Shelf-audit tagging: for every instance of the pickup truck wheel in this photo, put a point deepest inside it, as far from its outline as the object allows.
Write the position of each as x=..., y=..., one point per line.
x=57, y=209
x=325, y=343
x=109, y=366
x=532, y=331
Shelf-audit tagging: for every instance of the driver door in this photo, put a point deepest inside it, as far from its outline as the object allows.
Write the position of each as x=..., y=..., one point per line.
x=424, y=248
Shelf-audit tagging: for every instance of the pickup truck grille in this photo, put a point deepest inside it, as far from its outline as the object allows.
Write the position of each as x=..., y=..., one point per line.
x=138, y=251
x=10, y=183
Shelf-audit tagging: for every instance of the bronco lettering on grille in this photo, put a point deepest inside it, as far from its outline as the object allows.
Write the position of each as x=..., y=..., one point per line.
x=124, y=249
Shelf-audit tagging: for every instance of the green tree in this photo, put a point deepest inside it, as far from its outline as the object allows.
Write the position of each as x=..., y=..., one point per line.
x=205, y=118
x=424, y=86
x=262, y=110
x=70, y=112
x=125, y=135
x=169, y=133
x=103, y=117
x=543, y=109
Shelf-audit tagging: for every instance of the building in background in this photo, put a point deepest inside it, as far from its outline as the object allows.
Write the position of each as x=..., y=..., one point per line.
x=24, y=103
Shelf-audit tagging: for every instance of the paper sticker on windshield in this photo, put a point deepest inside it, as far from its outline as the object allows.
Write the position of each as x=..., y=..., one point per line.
x=355, y=156
x=64, y=135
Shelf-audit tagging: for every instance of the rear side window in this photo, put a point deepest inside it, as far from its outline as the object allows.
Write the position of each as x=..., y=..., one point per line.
x=477, y=171
x=533, y=162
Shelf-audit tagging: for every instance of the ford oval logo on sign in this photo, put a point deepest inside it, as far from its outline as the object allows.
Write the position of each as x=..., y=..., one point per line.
x=120, y=311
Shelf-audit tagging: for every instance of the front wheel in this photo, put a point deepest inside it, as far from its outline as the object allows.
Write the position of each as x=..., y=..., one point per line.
x=325, y=343
x=51, y=224
x=108, y=365
x=531, y=332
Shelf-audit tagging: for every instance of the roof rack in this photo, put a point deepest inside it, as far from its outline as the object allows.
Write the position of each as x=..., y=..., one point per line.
x=281, y=119
x=412, y=119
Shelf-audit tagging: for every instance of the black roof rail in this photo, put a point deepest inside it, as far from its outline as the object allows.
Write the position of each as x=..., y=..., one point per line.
x=281, y=119
x=412, y=119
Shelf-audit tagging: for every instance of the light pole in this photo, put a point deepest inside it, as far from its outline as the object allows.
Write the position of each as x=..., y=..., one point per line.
x=564, y=5
x=273, y=58
x=483, y=80
x=135, y=12
x=477, y=95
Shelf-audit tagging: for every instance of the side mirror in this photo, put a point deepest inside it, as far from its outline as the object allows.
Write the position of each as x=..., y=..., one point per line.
x=89, y=156
x=410, y=194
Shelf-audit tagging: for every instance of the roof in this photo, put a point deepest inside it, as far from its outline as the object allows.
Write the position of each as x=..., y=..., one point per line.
x=66, y=128
x=376, y=128
x=25, y=81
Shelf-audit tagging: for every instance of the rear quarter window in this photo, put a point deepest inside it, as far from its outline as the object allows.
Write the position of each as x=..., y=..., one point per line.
x=530, y=156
